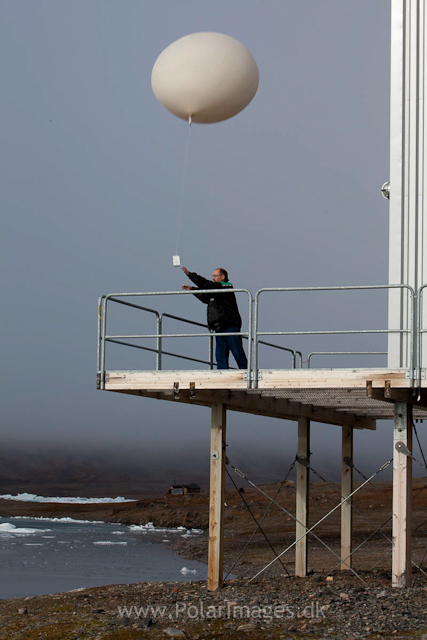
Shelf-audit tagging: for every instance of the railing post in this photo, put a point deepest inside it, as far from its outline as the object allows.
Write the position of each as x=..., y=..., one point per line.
x=412, y=336
x=250, y=331
x=98, y=346
x=103, y=343
x=419, y=333
x=159, y=323
x=211, y=352
x=255, y=343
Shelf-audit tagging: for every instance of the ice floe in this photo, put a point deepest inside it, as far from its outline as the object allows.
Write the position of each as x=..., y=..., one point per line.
x=109, y=542
x=31, y=497
x=67, y=520
x=149, y=527
x=185, y=571
x=10, y=529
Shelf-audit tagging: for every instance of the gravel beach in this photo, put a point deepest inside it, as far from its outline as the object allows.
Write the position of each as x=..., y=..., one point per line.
x=270, y=608
x=328, y=604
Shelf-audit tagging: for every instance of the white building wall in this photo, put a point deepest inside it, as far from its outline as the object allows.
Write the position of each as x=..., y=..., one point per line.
x=408, y=233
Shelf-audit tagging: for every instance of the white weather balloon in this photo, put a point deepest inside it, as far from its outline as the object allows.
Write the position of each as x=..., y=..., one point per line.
x=208, y=77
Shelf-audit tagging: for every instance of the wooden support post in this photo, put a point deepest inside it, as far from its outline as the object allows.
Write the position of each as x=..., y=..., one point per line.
x=346, y=490
x=301, y=547
x=216, y=499
x=402, y=495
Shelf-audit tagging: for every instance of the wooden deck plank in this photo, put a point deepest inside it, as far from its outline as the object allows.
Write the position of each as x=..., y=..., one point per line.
x=167, y=379
x=332, y=378
x=269, y=379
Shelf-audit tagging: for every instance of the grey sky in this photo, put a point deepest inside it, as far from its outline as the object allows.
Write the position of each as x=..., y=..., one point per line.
x=284, y=194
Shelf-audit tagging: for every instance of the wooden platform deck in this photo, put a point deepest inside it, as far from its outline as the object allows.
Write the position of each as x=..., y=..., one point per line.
x=348, y=398
x=354, y=397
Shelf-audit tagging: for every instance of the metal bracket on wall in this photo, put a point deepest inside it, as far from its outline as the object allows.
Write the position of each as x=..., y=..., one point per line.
x=176, y=389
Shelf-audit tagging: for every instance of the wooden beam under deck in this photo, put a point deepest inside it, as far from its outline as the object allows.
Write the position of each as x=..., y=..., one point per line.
x=343, y=397
x=260, y=405
x=416, y=397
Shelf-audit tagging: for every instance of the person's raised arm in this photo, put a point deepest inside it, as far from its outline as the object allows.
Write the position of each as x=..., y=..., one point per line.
x=200, y=281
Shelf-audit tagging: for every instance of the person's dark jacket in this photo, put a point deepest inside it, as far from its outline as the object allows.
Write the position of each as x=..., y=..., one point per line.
x=222, y=311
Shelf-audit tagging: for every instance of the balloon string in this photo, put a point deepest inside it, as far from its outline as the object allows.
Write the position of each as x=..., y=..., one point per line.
x=183, y=184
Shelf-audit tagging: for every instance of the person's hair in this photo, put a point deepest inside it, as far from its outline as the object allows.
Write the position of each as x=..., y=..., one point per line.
x=222, y=272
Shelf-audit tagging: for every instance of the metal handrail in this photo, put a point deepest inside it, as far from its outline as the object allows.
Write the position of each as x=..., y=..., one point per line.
x=102, y=320
x=278, y=346
x=343, y=353
x=410, y=331
x=193, y=322
x=103, y=338
x=159, y=351
x=166, y=353
x=414, y=332
x=198, y=324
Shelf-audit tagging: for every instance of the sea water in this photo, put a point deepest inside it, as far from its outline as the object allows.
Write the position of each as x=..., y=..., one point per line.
x=40, y=556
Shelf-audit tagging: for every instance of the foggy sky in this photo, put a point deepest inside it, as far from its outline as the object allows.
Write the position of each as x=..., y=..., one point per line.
x=287, y=193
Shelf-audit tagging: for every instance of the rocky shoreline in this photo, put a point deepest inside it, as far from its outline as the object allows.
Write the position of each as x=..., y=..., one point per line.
x=327, y=604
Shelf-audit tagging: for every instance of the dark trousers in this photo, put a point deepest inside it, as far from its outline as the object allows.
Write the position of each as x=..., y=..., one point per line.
x=225, y=344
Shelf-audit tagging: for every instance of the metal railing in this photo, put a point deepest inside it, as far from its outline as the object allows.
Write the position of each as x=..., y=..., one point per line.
x=253, y=334
x=210, y=360
x=343, y=353
x=102, y=320
x=409, y=332
x=294, y=353
x=159, y=336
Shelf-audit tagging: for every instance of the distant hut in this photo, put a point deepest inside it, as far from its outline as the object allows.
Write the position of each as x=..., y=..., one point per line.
x=183, y=489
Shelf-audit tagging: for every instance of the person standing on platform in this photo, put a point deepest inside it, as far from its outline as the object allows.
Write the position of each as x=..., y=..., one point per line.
x=223, y=316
